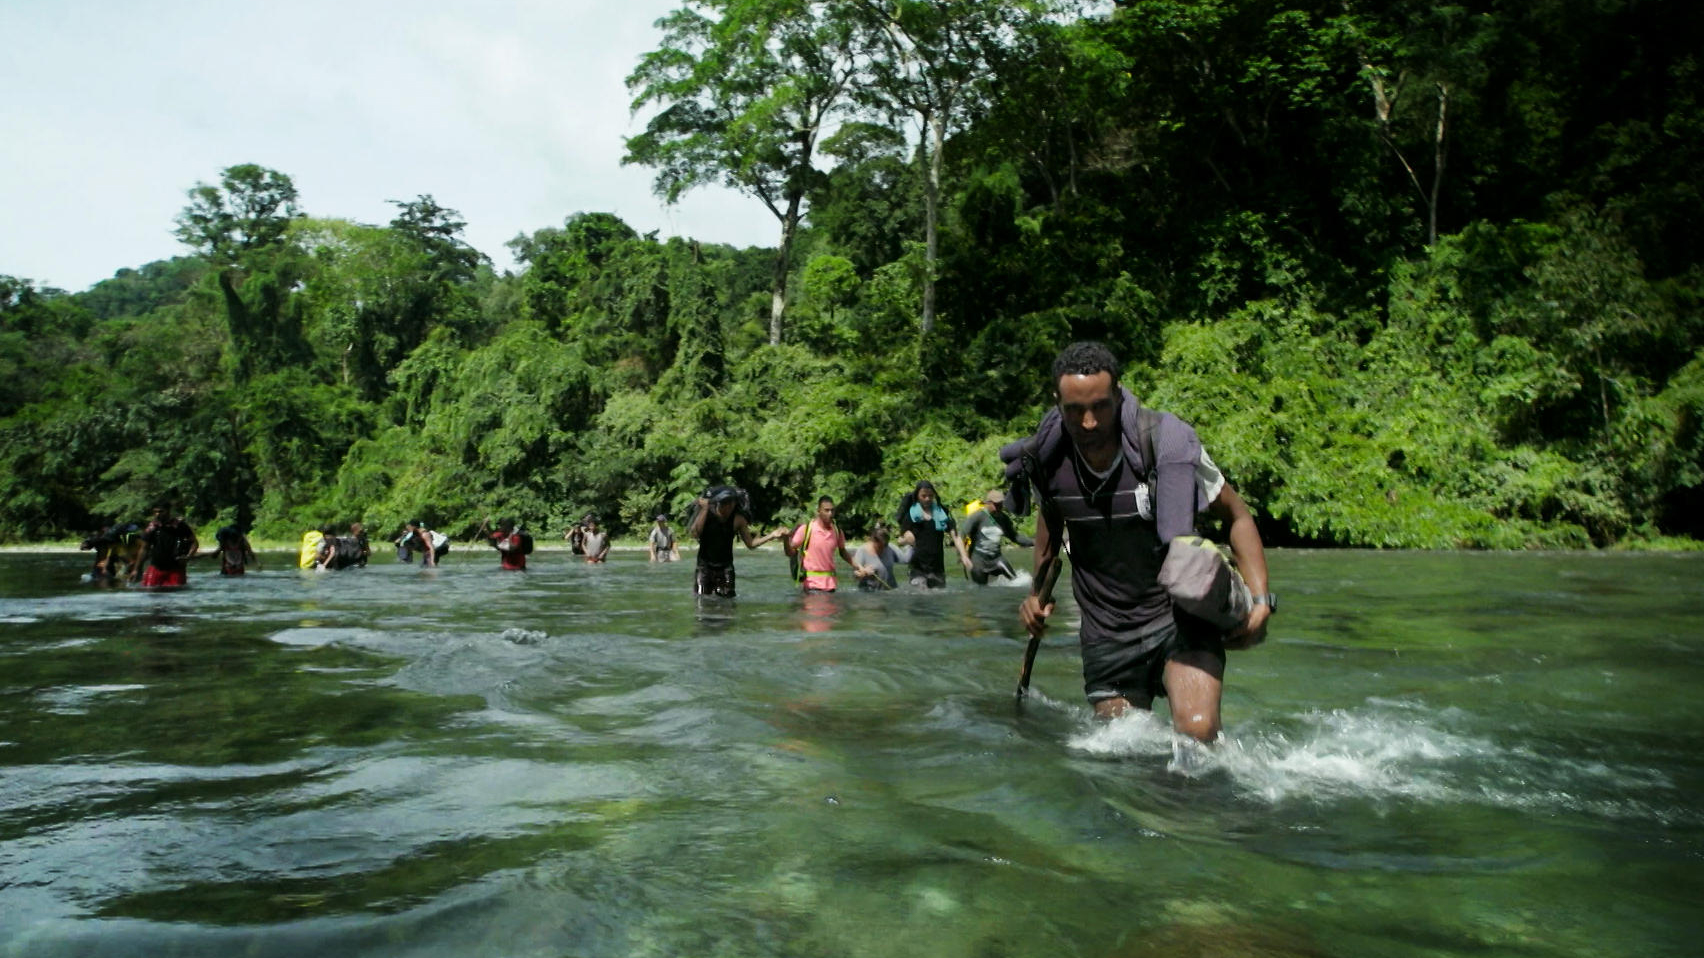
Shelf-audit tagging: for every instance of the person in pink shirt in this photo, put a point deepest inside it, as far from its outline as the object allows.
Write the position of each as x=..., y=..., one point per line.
x=819, y=539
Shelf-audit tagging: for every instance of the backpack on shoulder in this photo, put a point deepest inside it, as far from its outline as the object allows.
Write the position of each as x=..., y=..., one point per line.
x=796, y=561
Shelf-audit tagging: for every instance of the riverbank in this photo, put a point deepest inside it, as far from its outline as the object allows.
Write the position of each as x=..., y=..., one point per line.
x=274, y=545
x=1658, y=544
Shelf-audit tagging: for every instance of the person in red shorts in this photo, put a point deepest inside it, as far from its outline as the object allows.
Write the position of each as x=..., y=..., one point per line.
x=168, y=543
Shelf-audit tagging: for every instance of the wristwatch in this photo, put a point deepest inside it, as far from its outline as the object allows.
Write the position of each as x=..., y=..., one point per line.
x=1267, y=599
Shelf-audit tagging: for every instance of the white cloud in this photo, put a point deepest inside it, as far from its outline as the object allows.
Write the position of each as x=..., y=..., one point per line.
x=512, y=113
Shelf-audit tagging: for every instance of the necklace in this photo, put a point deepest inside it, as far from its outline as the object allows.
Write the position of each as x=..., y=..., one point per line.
x=1079, y=467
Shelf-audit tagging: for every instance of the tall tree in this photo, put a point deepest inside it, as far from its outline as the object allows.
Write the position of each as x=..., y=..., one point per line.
x=242, y=226
x=930, y=60
x=746, y=89
x=1437, y=48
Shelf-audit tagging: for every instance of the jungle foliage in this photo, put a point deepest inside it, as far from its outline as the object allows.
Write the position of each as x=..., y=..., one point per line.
x=1422, y=274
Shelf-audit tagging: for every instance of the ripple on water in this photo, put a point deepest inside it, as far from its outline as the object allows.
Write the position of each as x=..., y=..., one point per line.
x=317, y=636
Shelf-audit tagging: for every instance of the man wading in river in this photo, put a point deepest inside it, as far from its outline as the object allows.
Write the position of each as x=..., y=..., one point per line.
x=718, y=518
x=168, y=545
x=1093, y=480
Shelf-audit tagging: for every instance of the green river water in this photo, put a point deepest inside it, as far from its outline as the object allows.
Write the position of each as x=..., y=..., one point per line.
x=1434, y=754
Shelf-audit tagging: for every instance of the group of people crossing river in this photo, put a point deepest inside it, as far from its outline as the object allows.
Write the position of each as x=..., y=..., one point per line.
x=157, y=553
x=1119, y=487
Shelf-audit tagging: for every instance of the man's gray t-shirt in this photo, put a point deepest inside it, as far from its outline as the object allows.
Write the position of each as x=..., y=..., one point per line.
x=883, y=560
x=983, y=531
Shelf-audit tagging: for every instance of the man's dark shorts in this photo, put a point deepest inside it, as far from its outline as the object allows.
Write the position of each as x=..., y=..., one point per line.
x=983, y=568
x=1135, y=670
x=928, y=580
x=711, y=579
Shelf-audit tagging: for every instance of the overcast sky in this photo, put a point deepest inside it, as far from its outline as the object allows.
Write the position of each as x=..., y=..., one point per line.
x=512, y=112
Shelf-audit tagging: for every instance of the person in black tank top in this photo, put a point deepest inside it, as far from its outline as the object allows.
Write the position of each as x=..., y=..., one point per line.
x=717, y=522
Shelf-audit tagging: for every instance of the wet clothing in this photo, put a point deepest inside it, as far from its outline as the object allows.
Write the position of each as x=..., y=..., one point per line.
x=1135, y=671
x=233, y=551
x=169, y=543
x=433, y=540
x=716, y=541
x=884, y=561
x=929, y=529
x=509, y=552
x=343, y=552
x=663, y=540
x=155, y=577
x=113, y=545
x=818, y=555
x=983, y=568
x=712, y=578
x=715, y=564
x=366, y=549
x=233, y=557
x=984, y=532
x=596, y=545
x=1119, y=523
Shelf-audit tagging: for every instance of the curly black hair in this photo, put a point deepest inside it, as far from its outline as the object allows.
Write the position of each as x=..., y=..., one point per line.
x=1085, y=359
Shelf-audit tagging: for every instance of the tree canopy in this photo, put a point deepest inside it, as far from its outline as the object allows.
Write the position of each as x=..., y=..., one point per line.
x=1421, y=275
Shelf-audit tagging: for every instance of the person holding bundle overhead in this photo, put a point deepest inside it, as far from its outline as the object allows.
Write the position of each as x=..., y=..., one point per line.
x=718, y=517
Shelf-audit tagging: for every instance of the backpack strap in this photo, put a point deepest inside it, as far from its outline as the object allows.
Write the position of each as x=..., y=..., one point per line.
x=1147, y=421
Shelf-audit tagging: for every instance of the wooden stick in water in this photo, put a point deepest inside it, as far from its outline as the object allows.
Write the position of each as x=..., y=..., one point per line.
x=1049, y=579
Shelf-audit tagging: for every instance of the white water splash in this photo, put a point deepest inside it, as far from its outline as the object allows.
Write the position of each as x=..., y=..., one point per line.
x=1394, y=751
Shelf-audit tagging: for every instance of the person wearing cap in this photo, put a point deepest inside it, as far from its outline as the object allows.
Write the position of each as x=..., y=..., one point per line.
x=595, y=541
x=985, y=531
x=662, y=541
x=926, y=525
x=719, y=517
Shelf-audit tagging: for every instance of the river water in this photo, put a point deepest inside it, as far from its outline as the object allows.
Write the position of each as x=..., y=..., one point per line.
x=1434, y=754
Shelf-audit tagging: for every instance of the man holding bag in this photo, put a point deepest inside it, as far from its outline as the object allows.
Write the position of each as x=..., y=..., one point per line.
x=1125, y=483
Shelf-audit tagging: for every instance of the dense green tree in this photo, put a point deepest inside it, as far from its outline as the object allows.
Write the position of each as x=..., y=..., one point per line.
x=1422, y=275
x=241, y=228
x=744, y=92
x=375, y=293
x=930, y=60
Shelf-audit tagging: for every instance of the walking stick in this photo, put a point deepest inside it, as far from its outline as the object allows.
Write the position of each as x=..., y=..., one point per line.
x=1045, y=598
